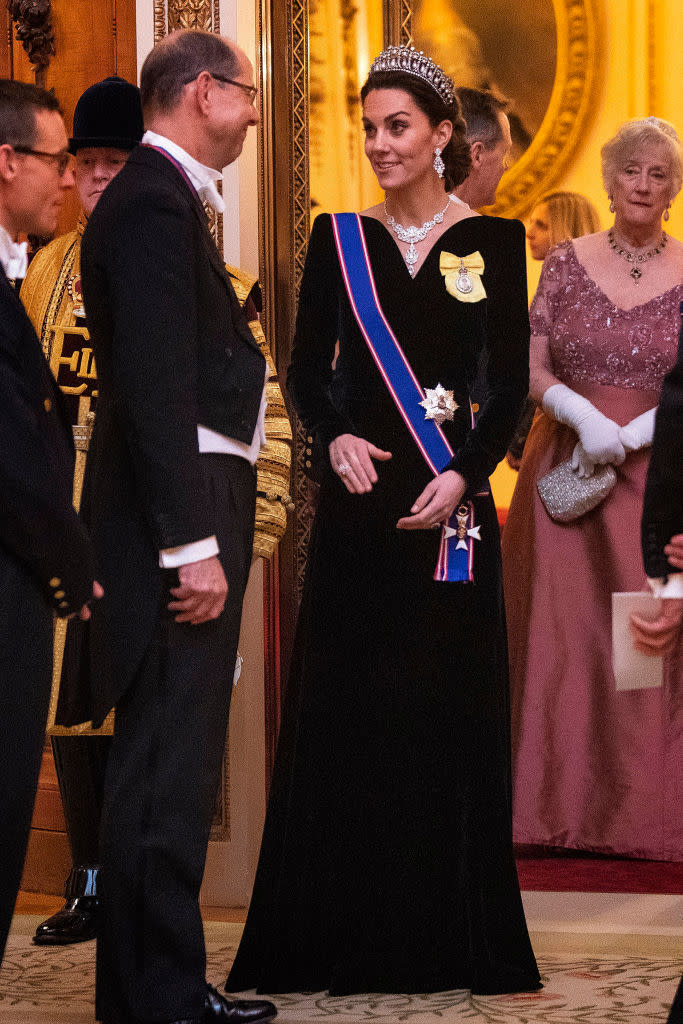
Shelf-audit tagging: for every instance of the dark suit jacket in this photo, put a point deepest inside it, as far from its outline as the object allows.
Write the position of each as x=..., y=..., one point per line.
x=42, y=542
x=172, y=349
x=46, y=565
x=663, y=503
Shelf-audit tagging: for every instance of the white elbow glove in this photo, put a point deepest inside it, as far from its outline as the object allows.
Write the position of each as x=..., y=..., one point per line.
x=639, y=432
x=599, y=440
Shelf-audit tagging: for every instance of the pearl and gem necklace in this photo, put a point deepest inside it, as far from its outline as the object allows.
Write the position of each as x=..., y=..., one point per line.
x=413, y=234
x=632, y=257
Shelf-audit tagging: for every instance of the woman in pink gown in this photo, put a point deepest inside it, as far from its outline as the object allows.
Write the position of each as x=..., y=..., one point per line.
x=596, y=769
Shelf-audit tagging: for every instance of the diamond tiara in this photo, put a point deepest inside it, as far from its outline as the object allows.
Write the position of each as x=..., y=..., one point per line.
x=408, y=59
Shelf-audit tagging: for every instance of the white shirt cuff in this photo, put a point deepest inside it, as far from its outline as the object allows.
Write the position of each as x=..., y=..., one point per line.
x=171, y=558
x=672, y=588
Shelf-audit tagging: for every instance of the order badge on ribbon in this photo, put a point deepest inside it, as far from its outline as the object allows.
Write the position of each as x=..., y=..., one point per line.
x=456, y=550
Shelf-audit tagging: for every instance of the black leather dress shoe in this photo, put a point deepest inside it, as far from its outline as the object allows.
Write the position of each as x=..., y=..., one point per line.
x=77, y=920
x=236, y=1011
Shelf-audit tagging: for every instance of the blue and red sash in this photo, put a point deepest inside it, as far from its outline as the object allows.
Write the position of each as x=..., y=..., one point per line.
x=456, y=551
x=176, y=163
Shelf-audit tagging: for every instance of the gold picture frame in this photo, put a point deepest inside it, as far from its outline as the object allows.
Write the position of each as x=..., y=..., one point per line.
x=577, y=81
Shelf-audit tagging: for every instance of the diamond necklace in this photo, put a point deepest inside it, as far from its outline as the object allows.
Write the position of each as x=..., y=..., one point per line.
x=632, y=257
x=413, y=234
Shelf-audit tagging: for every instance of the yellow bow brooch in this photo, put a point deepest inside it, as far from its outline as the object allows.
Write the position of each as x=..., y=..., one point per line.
x=463, y=276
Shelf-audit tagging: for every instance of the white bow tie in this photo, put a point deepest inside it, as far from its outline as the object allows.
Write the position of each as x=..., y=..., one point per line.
x=17, y=262
x=209, y=194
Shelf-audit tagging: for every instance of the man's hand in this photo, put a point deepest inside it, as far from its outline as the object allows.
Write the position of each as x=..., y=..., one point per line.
x=659, y=636
x=97, y=593
x=674, y=550
x=436, y=503
x=202, y=591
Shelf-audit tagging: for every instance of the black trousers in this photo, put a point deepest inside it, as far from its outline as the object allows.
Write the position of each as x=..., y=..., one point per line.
x=81, y=763
x=25, y=678
x=161, y=783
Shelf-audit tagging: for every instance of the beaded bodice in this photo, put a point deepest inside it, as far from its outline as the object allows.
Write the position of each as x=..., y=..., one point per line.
x=592, y=340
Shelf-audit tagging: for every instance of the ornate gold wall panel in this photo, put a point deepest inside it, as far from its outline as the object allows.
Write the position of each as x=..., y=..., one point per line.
x=170, y=15
x=398, y=22
x=300, y=220
x=285, y=225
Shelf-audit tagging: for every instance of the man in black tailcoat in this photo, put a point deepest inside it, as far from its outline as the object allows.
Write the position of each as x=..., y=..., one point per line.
x=46, y=559
x=170, y=492
x=662, y=541
x=107, y=126
x=662, y=522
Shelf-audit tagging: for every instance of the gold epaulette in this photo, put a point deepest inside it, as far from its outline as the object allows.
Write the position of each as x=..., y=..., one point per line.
x=274, y=462
x=241, y=282
x=273, y=465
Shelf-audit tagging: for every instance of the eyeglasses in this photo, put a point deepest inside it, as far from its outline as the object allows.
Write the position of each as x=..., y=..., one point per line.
x=250, y=90
x=60, y=159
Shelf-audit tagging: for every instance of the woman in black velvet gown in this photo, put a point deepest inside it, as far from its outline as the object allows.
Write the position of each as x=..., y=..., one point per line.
x=387, y=862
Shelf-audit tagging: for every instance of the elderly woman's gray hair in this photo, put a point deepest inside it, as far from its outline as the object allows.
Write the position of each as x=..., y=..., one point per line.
x=649, y=132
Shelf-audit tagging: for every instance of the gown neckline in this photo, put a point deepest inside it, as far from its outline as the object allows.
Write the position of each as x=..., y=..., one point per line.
x=605, y=296
x=387, y=232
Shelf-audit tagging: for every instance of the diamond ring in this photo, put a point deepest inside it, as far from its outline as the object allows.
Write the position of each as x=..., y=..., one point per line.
x=343, y=469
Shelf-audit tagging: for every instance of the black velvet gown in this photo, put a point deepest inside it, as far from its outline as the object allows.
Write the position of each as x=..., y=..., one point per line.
x=386, y=862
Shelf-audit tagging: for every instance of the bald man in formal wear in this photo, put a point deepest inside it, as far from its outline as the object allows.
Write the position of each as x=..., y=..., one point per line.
x=170, y=493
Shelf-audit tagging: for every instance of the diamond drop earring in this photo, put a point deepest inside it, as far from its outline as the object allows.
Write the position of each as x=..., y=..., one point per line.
x=666, y=212
x=439, y=165
x=611, y=205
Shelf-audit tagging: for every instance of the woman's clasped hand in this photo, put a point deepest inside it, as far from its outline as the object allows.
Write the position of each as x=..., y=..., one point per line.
x=436, y=503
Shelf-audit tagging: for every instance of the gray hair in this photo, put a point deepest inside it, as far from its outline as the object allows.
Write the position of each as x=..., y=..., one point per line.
x=481, y=109
x=649, y=131
x=177, y=60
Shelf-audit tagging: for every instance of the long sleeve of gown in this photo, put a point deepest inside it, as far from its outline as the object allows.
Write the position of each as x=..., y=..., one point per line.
x=507, y=367
x=310, y=372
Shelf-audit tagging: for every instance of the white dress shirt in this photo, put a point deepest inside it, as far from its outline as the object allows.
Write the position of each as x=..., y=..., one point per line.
x=13, y=255
x=204, y=180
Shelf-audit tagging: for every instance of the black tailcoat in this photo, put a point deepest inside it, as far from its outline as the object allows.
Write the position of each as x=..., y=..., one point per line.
x=46, y=566
x=147, y=248
x=173, y=350
x=663, y=502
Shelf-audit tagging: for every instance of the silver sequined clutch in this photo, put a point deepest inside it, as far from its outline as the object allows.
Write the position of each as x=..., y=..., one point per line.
x=567, y=496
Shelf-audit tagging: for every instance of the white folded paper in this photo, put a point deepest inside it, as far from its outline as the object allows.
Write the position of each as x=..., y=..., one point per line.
x=633, y=670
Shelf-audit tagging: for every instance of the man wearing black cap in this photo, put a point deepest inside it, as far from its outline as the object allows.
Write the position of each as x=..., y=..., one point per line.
x=107, y=126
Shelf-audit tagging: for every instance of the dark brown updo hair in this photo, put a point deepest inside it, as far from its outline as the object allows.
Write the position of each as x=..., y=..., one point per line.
x=456, y=155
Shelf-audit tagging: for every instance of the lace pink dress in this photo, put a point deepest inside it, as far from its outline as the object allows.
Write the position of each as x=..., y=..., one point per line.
x=594, y=769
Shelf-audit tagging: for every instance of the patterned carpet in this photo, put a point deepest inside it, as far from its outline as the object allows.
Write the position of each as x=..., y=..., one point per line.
x=55, y=986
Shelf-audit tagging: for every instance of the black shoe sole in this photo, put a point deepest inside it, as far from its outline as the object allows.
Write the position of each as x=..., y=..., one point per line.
x=54, y=940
